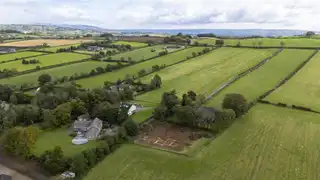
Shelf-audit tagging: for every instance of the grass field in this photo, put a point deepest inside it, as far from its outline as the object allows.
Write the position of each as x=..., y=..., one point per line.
x=140, y=54
x=48, y=140
x=206, y=73
x=269, y=143
x=303, y=89
x=205, y=40
x=69, y=70
x=141, y=116
x=98, y=81
x=50, y=42
x=47, y=60
x=18, y=55
x=93, y=52
x=290, y=42
x=54, y=49
x=133, y=44
x=266, y=77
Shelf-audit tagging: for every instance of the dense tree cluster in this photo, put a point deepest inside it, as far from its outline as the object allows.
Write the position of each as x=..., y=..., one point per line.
x=69, y=49
x=107, y=44
x=7, y=72
x=179, y=39
x=31, y=61
x=207, y=35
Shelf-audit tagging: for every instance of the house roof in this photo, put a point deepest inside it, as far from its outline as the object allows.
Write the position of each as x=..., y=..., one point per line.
x=5, y=177
x=81, y=124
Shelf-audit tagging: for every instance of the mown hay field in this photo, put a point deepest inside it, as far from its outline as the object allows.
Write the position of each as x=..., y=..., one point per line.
x=133, y=44
x=140, y=54
x=303, y=89
x=269, y=143
x=50, y=42
x=18, y=55
x=266, y=77
x=60, y=137
x=206, y=73
x=68, y=70
x=47, y=60
x=98, y=81
x=288, y=42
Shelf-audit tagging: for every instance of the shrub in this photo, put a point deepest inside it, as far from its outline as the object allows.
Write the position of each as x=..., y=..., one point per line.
x=236, y=102
x=132, y=128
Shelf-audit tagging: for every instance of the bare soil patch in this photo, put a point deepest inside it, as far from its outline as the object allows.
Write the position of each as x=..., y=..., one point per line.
x=169, y=136
x=50, y=42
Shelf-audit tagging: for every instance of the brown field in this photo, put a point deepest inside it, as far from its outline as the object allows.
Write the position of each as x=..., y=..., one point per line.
x=50, y=42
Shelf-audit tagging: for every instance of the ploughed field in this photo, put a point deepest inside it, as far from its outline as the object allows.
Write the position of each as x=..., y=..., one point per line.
x=303, y=89
x=205, y=73
x=266, y=77
x=269, y=143
x=58, y=72
x=47, y=60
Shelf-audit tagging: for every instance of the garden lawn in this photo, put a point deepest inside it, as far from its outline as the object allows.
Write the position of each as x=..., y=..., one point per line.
x=140, y=54
x=269, y=143
x=142, y=115
x=303, y=89
x=133, y=44
x=205, y=73
x=47, y=60
x=48, y=140
x=266, y=77
x=68, y=70
x=12, y=56
x=98, y=81
x=288, y=42
x=54, y=49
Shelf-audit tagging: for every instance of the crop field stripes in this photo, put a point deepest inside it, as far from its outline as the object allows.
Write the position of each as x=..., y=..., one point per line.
x=286, y=79
x=246, y=72
x=25, y=57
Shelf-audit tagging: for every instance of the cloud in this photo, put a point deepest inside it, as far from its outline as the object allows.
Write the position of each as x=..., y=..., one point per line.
x=290, y=14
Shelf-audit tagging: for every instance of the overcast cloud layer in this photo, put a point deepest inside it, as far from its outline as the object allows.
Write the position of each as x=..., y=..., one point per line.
x=201, y=14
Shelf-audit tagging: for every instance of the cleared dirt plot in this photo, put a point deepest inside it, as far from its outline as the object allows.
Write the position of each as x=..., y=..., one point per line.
x=206, y=73
x=168, y=136
x=68, y=70
x=98, y=81
x=289, y=42
x=303, y=89
x=50, y=42
x=47, y=60
x=18, y=55
x=133, y=44
x=60, y=137
x=54, y=49
x=269, y=143
x=266, y=77
x=140, y=54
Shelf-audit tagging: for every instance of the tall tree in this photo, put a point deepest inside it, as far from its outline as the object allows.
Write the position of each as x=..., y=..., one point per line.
x=236, y=102
x=44, y=78
x=310, y=33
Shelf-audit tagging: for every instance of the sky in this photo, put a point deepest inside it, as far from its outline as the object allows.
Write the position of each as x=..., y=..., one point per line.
x=166, y=14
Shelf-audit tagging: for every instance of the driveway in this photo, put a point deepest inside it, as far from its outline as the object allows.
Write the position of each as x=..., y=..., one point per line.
x=15, y=175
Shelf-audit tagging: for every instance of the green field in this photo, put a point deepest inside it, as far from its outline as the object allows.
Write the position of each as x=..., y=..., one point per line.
x=205, y=40
x=140, y=54
x=47, y=60
x=54, y=49
x=93, y=52
x=68, y=70
x=204, y=74
x=269, y=143
x=48, y=140
x=18, y=55
x=303, y=89
x=133, y=44
x=142, y=115
x=266, y=77
x=288, y=42
x=98, y=81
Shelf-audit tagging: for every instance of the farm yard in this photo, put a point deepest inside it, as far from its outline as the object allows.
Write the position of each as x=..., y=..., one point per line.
x=301, y=90
x=47, y=60
x=156, y=117
x=69, y=70
x=268, y=139
x=40, y=42
x=204, y=74
x=266, y=77
x=18, y=55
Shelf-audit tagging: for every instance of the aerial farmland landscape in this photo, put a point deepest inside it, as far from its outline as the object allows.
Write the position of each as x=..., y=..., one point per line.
x=162, y=90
